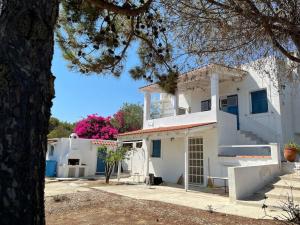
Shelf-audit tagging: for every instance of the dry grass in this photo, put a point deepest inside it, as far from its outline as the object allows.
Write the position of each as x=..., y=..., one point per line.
x=98, y=207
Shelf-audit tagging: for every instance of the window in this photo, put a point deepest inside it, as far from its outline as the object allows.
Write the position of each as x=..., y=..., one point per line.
x=206, y=105
x=51, y=153
x=223, y=104
x=156, y=148
x=128, y=145
x=181, y=111
x=259, y=102
x=139, y=144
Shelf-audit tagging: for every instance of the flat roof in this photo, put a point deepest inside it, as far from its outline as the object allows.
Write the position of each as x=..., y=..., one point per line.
x=226, y=72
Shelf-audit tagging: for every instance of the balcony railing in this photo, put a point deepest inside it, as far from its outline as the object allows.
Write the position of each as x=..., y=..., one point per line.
x=161, y=109
x=198, y=117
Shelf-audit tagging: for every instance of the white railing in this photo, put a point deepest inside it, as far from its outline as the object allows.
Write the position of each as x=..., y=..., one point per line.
x=199, y=117
x=161, y=109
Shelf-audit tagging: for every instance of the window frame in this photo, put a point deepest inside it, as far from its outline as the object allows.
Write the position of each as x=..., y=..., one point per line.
x=251, y=102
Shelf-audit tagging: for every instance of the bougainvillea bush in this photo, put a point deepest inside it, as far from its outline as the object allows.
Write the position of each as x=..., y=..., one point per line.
x=96, y=127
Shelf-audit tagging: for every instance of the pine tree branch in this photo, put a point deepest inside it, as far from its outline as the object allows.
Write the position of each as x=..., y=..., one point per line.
x=127, y=11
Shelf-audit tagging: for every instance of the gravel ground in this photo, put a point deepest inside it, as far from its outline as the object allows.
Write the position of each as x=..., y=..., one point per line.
x=98, y=207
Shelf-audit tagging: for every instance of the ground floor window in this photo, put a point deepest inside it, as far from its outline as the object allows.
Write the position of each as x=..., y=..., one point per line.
x=195, y=170
x=156, y=148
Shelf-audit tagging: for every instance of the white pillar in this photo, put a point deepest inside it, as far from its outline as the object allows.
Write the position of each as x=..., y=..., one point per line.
x=119, y=170
x=147, y=105
x=275, y=153
x=214, y=90
x=175, y=103
x=186, y=163
x=147, y=154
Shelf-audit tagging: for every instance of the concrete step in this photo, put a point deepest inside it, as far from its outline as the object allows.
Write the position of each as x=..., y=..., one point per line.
x=290, y=177
x=277, y=193
x=283, y=194
x=252, y=137
x=287, y=184
x=271, y=203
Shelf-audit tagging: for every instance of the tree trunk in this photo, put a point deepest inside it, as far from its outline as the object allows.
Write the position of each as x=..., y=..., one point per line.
x=107, y=179
x=108, y=171
x=26, y=92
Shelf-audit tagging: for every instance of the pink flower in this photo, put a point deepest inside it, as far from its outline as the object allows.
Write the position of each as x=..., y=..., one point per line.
x=95, y=127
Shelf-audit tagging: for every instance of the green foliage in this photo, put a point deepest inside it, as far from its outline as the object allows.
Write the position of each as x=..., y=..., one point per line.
x=169, y=82
x=293, y=145
x=111, y=158
x=96, y=40
x=128, y=118
x=59, y=129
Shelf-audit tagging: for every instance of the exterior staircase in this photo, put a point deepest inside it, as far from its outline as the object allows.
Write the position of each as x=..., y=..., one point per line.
x=248, y=137
x=277, y=193
x=287, y=186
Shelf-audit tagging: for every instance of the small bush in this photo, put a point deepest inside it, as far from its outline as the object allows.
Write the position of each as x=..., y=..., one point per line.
x=60, y=198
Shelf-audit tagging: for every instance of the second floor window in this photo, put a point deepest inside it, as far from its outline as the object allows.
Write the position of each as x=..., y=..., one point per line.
x=259, y=102
x=205, y=105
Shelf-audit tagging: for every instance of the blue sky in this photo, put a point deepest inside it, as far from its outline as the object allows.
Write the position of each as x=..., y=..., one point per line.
x=79, y=95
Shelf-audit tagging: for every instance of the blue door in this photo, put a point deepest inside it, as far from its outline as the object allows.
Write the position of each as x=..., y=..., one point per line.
x=100, y=166
x=233, y=108
x=50, y=168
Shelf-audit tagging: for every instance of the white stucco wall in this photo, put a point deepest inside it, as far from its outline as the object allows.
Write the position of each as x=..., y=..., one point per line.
x=245, y=180
x=82, y=149
x=227, y=128
x=171, y=164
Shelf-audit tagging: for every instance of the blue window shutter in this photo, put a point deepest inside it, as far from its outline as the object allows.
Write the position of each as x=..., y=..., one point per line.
x=156, y=148
x=259, y=101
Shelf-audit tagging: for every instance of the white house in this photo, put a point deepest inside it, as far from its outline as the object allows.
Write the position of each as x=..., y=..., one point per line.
x=75, y=157
x=224, y=123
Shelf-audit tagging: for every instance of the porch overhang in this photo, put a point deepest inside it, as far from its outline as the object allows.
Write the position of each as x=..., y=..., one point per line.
x=168, y=131
x=52, y=140
x=201, y=78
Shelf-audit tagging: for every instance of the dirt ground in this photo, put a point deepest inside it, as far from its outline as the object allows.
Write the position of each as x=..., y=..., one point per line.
x=98, y=207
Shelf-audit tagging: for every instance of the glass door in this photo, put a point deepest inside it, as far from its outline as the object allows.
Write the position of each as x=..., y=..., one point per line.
x=195, y=171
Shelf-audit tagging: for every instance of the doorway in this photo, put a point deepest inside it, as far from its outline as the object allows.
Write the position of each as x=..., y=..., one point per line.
x=195, y=169
x=230, y=104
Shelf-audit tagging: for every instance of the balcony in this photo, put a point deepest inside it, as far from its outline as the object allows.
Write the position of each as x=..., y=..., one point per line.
x=197, y=99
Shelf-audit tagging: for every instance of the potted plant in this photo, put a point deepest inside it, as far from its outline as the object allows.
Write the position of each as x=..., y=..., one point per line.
x=290, y=151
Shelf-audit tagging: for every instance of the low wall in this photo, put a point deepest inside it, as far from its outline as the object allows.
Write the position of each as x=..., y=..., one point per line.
x=245, y=180
x=198, y=117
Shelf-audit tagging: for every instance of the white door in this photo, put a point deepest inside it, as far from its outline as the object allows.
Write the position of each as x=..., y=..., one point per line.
x=195, y=171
